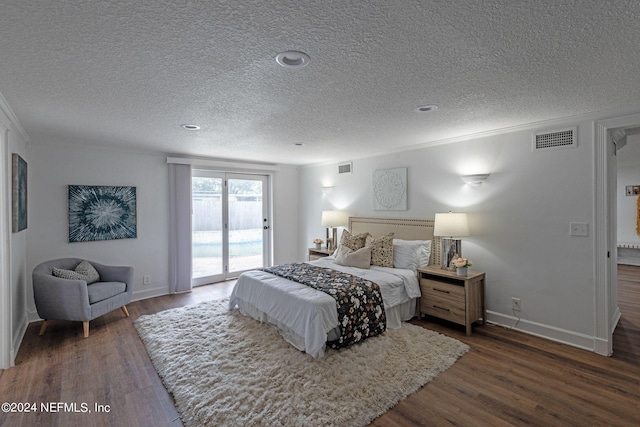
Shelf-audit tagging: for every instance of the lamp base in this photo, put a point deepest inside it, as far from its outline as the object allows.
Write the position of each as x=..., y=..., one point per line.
x=450, y=249
x=332, y=242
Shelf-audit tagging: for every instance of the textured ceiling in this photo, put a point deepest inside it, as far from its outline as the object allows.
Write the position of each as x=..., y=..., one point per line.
x=128, y=73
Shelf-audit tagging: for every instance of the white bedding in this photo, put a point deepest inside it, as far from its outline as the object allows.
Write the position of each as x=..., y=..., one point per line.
x=307, y=317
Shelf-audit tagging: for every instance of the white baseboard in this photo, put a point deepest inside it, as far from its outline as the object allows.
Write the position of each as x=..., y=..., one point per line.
x=149, y=293
x=629, y=261
x=18, y=337
x=32, y=316
x=615, y=318
x=574, y=339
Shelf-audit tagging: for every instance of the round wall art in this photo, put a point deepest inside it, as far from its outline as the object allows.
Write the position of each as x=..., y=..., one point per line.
x=390, y=189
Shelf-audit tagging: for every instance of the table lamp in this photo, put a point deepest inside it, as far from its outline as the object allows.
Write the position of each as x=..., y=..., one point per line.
x=333, y=219
x=448, y=226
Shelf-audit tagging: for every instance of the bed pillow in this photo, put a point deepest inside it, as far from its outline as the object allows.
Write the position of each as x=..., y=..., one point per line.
x=353, y=242
x=381, y=250
x=360, y=258
x=84, y=271
x=411, y=254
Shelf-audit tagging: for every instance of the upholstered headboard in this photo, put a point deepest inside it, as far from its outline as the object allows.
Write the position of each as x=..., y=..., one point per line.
x=402, y=228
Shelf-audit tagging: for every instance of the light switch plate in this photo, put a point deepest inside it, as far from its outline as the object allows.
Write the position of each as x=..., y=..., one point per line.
x=579, y=229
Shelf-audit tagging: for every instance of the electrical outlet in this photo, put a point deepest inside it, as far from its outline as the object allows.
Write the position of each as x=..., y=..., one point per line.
x=515, y=304
x=146, y=280
x=579, y=229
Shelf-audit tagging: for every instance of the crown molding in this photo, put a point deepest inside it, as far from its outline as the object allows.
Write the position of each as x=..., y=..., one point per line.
x=15, y=123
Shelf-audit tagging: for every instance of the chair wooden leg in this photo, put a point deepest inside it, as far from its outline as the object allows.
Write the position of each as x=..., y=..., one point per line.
x=43, y=327
x=124, y=310
x=85, y=327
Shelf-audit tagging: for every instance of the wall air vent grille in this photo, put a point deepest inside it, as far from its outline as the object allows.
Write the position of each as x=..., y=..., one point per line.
x=345, y=168
x=564, y=138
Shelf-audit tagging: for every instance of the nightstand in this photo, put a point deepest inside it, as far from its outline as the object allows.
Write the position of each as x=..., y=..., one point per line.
x=318, y=253
x=451, y=297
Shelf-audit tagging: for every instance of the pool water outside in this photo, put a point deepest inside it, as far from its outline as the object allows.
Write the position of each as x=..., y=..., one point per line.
x=206, y=244
x=245, y=251
x=214, y=249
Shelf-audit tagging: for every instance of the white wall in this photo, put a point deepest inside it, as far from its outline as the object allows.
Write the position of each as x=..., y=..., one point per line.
x=519, y=219
x=286, y=225
x=55, y=164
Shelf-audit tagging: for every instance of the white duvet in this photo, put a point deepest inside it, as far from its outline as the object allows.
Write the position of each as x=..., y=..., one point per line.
x=305, y=316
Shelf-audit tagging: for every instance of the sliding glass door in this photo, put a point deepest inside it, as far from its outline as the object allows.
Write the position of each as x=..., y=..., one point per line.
x=230, y=225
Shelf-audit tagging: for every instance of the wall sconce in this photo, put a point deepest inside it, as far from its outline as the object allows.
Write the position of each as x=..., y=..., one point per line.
x=475, y=179
x=326, y=190
x=448, y=226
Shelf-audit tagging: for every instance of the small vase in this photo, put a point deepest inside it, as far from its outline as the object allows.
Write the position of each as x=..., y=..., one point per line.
x=318, y=245
x=461, y=271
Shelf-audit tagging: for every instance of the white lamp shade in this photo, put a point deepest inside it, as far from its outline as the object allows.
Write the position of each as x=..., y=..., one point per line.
x=334, y=219
x=452, y=224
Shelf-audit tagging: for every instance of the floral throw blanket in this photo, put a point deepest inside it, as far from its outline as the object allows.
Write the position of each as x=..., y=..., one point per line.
x=358, y=301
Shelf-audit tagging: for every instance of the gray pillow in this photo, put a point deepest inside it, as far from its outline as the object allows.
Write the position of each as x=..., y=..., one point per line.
x=84, y=271
x=85, y=268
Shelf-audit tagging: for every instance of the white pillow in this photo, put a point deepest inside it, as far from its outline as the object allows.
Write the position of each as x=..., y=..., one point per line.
x=411, y=254
x=350, y=258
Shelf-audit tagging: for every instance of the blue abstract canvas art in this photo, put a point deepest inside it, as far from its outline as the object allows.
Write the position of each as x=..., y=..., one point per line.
x=99, y=212
x=19, y=193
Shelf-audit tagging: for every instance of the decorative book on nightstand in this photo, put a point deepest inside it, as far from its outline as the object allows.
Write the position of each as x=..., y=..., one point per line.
x=451, y=297
x=318, y=253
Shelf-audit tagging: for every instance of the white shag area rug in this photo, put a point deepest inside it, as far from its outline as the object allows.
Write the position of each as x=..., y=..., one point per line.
x=223, y=368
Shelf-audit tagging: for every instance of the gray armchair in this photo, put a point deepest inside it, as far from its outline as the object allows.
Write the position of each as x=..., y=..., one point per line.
x=65, y=299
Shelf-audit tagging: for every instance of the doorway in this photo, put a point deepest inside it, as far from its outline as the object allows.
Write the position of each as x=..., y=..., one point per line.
x=230, y=225
x=607, y=312
x=628, y=260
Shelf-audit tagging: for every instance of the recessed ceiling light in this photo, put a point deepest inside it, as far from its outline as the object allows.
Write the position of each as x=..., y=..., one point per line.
x=190, y=127
x=426, y=108
x=293, y=59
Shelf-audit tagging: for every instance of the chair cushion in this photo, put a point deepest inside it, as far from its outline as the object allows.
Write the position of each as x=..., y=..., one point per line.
x=99, y=291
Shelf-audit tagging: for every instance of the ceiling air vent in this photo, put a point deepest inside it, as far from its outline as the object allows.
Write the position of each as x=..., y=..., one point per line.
x=564, y=138
x=345, y=168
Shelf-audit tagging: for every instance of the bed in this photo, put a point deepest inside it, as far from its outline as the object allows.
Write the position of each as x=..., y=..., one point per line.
x=307, y=318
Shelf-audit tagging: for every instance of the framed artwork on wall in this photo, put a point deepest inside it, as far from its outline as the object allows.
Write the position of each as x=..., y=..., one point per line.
x=18, y=193
x=390, y=189
x=98, y=212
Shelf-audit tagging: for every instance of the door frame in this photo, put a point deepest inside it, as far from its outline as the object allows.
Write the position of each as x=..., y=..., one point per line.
x=6, y=341
x=266, y=210
x=606, y=310
x=266, y=224
x=199, y=281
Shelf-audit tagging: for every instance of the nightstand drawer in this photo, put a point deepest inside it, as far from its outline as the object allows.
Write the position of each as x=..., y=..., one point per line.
x=443, y=308
x=458, y=299
x=431, y=288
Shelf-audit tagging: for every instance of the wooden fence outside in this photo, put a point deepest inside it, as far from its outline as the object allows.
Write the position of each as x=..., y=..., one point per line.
x=243, y=214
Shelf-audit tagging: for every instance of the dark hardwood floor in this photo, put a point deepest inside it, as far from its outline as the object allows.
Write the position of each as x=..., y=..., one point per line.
x=508, y=378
